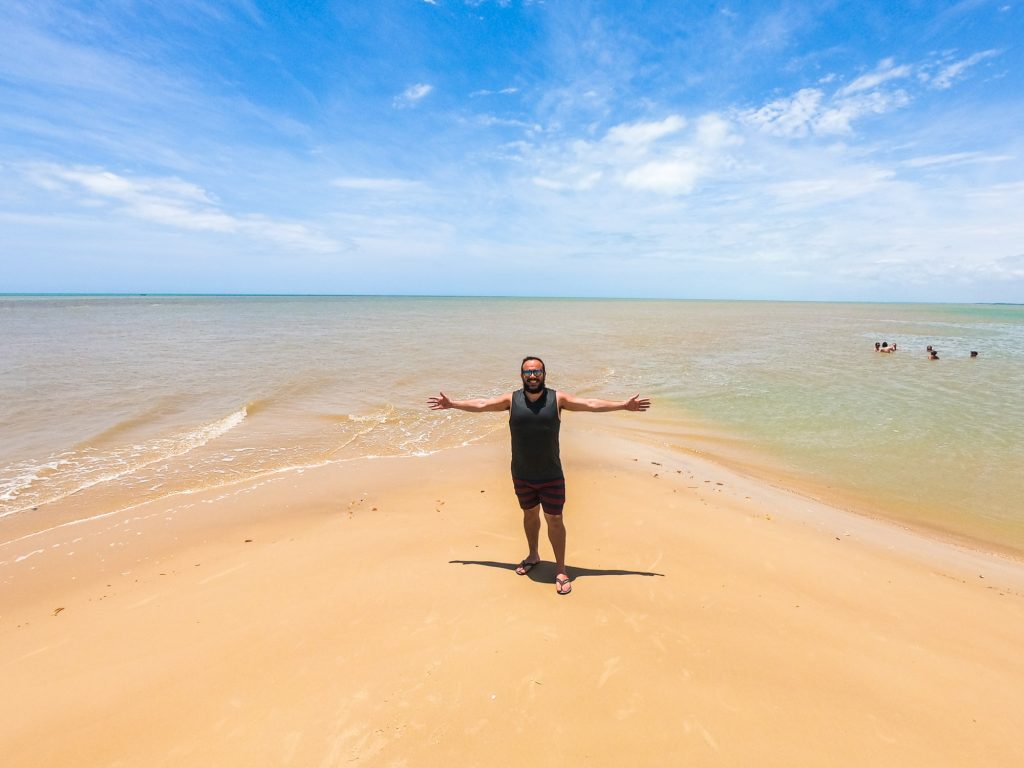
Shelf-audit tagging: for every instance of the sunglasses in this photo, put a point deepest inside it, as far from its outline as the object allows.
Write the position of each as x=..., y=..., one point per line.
x=533, y=372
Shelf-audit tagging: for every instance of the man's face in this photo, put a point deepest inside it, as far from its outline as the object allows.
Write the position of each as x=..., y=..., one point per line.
x=533, y=376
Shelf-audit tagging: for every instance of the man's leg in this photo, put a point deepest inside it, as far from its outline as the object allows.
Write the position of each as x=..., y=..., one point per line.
x=556, y=535
x=531, y=527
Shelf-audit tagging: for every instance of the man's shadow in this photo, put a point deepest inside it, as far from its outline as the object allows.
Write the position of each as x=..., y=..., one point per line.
x=544, y=571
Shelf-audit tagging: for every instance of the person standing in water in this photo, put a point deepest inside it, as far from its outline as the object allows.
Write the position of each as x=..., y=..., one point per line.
x=534, y=423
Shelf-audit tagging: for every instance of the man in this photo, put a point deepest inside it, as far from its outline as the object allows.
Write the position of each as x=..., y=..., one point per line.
x=534, y=421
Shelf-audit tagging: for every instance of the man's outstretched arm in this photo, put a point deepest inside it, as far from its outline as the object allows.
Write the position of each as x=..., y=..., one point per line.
x=478, y=405
x=573, y=403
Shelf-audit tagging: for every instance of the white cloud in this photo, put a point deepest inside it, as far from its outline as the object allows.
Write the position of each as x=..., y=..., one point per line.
x=642, y=133
x=885, y=72
x=670, y=177
x=838, y=119
x=948, y=74
x=413, y=95
x=841, y=184
x=809, y=112
x=714, y=132
x=107, y=184
x=658, y=156
x=172, y=202
x=954, y=158
x=489, y=120
x=486, y=92
x=574, y=179
x=375, y=184
x=791, y=117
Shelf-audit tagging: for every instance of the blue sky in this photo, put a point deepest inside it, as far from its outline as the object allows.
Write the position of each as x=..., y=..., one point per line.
x=761, y=150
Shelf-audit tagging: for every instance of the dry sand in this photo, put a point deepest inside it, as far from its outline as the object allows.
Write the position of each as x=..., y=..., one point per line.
x=367, y=613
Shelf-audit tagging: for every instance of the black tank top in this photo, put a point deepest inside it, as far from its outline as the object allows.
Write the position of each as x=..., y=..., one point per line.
x=534, y=427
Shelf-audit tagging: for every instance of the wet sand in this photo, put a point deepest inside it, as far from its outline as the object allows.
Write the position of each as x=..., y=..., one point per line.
x=367, y=613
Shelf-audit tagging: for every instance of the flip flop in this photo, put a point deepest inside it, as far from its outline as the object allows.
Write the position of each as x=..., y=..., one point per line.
x=524, y=567
x=562, y=585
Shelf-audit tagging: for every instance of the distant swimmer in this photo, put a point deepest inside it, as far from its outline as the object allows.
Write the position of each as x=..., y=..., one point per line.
x=878, y=346
x=932, y=354
x=974, y=353
x=535, y=415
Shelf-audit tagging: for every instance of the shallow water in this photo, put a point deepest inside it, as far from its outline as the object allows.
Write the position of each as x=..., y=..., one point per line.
x=109, y=401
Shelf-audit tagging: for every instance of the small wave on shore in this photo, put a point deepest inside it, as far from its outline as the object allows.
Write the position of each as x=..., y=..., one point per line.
x=391, y=430
x=95, y=479
x=28, y=484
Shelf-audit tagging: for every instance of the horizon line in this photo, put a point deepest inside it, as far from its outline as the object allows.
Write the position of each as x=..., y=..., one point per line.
x=146, y=294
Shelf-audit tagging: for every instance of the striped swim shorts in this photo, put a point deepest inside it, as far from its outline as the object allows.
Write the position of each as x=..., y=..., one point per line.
x=548, y=493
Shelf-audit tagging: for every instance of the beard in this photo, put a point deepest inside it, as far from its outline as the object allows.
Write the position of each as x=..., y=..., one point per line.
x=533, y=386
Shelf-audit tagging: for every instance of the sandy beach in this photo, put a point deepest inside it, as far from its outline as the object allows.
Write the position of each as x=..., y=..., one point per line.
x=367, y=613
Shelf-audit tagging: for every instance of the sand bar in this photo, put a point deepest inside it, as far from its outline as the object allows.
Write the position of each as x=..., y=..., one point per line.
x=366, y=613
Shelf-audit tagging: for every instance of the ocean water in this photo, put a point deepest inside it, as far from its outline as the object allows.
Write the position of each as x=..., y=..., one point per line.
x=112, y=401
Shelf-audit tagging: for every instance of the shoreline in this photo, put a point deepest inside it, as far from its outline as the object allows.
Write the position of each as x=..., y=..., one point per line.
x=803, y=503
x=701, y=442
x=720, y=450
x=369, y=612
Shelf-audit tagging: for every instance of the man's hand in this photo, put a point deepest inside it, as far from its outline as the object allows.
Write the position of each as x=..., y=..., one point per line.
x=439, y=403
x=637, y=403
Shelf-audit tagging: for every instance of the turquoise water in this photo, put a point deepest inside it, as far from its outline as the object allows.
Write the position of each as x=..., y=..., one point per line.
x=110, y=401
